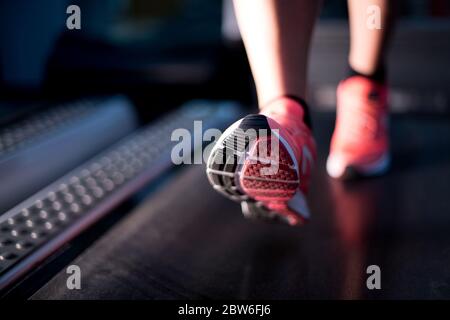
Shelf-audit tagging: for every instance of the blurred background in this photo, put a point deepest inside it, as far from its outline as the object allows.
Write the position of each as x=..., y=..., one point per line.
x=66, y=96
x=165, y=52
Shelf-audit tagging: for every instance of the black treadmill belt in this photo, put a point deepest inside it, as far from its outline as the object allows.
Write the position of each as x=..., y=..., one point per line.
x=187, y=241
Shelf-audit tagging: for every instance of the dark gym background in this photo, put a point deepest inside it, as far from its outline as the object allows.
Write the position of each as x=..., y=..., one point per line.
x=68, y=95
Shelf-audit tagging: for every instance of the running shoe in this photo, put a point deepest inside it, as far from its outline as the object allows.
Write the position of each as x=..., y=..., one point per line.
x=360, y=143
x=264, y=161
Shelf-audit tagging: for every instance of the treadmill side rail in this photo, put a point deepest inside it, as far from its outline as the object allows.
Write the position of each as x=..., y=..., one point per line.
x=39, y=226
x=46, y=146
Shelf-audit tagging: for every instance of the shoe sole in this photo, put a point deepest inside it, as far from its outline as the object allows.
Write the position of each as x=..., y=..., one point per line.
x=236, y=169
x=352, y=172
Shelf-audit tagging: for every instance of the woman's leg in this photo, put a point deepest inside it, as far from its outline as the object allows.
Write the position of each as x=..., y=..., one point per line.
x=368, y=44
x=277, y=35
x=360, y=143
x=271, y=183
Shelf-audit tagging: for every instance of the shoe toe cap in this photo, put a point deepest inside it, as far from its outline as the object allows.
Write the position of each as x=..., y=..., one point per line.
x=336, y=165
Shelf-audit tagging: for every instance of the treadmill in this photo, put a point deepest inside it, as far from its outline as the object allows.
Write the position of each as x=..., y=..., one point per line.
x=88, y=181
x=97, y=135
x=67, y=166
x=96, y=138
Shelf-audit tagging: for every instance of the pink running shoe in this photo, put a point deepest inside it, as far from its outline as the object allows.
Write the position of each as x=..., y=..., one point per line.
x=265, y=161
x=360, y=143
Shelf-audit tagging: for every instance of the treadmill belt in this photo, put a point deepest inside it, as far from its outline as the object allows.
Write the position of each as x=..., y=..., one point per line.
x=187, y=241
